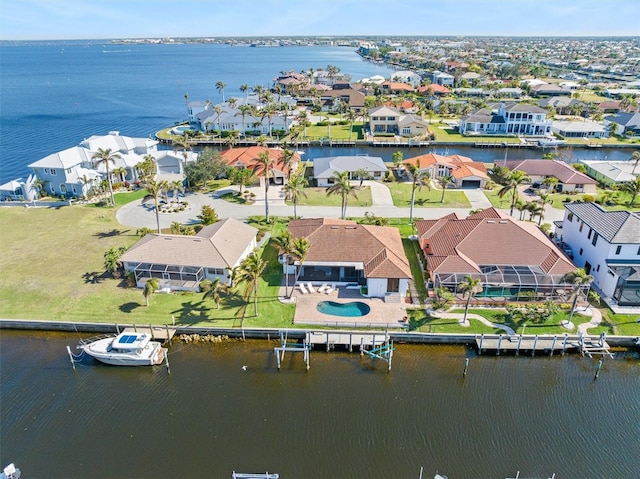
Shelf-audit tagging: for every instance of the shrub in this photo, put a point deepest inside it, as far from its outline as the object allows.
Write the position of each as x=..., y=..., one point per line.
x=205, y=285
x=322, y=123
x=588, y=198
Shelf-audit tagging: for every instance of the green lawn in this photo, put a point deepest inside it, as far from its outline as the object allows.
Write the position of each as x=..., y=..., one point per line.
x=338, y=132
x=446, y=133
x=411, y=250
x=401, y=193
x=318, y=197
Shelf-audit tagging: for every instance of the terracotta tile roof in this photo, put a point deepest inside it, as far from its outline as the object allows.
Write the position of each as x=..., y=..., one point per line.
x=246, y=157
x=460, y=166
x=396, y=86
x=435, y=88
x=558, y=169
x=378, y=248
x=455, y=245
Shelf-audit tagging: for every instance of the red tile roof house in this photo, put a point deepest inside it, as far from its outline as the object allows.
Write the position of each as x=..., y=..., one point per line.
x=248, y=158
x=343, y=252
x=569, y=179
x=180, y=262
x=465, y=172
x=513, y=259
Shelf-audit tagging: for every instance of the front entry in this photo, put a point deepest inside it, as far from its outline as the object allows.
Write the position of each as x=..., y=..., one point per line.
x=393, y=285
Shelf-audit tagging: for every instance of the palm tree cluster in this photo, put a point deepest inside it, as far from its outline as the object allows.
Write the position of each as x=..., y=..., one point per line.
x=293, y=249
x=342, y=186
x=155, y=191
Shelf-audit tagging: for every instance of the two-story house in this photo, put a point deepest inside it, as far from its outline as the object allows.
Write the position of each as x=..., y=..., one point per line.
x=385, y=119
x=607, y=245
x=507, y=119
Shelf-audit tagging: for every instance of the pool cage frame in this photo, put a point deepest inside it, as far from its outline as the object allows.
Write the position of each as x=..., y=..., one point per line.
x=512, y=283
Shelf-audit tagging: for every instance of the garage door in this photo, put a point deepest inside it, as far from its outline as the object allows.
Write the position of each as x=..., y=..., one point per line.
x=471, y=183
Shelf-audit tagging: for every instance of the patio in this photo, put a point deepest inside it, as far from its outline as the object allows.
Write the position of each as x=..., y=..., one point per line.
x=382, y=314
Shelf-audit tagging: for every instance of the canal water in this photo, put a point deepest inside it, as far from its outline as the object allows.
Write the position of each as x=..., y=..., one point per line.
x=345, y=418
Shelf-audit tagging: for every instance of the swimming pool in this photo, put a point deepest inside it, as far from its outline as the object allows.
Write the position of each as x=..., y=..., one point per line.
x=352, y=309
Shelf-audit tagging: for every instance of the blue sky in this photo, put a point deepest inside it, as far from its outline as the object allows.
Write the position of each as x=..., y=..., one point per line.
x=68, y=19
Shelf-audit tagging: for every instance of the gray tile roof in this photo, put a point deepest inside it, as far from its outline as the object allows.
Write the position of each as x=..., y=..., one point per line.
x=614, y=226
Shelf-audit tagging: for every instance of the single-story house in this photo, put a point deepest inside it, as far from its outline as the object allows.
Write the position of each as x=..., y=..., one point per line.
x=324, y=168
x=246, y=157
x=579, y=129
x=433, y=89
x=564, y=105
x=612, y=173
x=181, y=262
x=569, y=179
x=465, y=172
x=395, y=87
x=549, y=89
x=513, y=259
x=628, y=123
x=343, y=252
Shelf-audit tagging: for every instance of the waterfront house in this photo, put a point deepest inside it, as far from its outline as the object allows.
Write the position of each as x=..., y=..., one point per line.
x=325, y=168
x=248, y=157
x=395, y=88
x=626, y=123
x=342, y=95
x=433, y=89
x=441, y=78
x=513, y=259
x=506, y=119
x=564, y=105
x=569, y=179
x=465, y=172
x=73, y=172
x=607, y=245
x=181, y=262
x=579, y=129
x=407, y=76
x=343, y=252
x=385, y=119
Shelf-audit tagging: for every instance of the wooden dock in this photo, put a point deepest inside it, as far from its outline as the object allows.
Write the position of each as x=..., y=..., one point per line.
x=530, y=344
x=158, y=333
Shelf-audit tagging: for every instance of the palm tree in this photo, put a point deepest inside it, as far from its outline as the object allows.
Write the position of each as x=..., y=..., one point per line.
x=633, y=188
x=444, y=182
x=176, y=188
x=419, y=178
x=215, y=292
x=288, y=158
x=218, y=110
x=469, y=287
x=303, y=118
x=515, y=179
x=264, y=162
x=284, y=242
x=248, y=273
x=299, y=250
x=150, y=287
x=244, y=88
x=106, y=157
x=220, y=87
x=351, y=116
x=343, y=187
x=578, y=279
x=155, y=189
x=120, y=172
x=293, y=190
x=244, y=111
x=635, y=156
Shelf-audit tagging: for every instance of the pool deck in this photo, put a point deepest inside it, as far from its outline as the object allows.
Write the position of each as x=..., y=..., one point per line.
x=382, y=314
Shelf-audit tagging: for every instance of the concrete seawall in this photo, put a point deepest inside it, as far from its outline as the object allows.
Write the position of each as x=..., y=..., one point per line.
x=266, y=333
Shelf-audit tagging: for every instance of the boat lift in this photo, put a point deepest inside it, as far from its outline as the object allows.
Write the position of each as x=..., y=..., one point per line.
x=384, y=352
x=279, y=351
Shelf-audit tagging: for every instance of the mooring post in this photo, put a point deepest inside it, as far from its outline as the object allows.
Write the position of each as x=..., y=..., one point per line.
x=499, y=343
x=151, y=331
x=73, y=363
x=362, y=346
x=466, y=366
x=598, y=368
x=564, y=342
x=166, y=360
x=117, y=328
x=350, y=342
x=480, y=348
x=553, y=345
x=518, y=347
x=134, y=327
x=275, y=350
x=535, y=343
x=168, y=335
x=306, y=355
x=389, y=356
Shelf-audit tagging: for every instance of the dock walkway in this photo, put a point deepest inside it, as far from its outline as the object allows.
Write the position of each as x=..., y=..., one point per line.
x=546, y=344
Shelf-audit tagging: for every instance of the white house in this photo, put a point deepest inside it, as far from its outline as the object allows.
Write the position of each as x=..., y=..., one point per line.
x=325, y=168
x=385, y=119
x=441, y=78
x=507, y=119
x=579, y=129
x=407, y=76
x=607, y=245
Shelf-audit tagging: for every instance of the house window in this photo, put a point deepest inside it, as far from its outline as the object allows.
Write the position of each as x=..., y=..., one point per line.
x=581, y=226
x=379, y=128
x=73, y=188
x=618, y=248
x=595, y=239
x=46, y=171
x=590, y=233
x=391, y=118
x=63, y=189
x=54, y=172
x=216, y=271
x=580, y=253
x=597, y=268
x=406, y=131
x=570, y=217
x=611, y=273
x=638, y=253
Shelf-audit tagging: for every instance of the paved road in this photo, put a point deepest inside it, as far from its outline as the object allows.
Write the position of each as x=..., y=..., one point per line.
x=137, y=215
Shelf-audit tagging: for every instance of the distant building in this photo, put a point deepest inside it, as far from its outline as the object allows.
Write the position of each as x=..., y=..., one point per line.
x=612, y=173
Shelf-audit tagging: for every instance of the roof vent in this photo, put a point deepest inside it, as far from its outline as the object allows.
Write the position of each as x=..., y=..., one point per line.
x=491, y=222
x=335, y=227
x=503, y=222
x=168, y=239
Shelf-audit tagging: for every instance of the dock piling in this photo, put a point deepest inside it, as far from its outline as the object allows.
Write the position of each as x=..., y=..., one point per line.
x=499, y=343
x=553, y=345
x=73, y=363
x=466, y=366
x=598, y=368
x=519, y=343
x=535, y=343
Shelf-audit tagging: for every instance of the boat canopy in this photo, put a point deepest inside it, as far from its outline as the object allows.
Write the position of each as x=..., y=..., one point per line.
x=131, y=341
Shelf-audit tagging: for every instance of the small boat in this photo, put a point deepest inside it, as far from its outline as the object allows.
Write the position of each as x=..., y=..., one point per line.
x=125, y=349
x=10, y=472
x=551, y=142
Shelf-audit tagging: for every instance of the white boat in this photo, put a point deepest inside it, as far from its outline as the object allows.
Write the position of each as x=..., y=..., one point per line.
x=10, y=472
x=125, y=349
x=551, y=142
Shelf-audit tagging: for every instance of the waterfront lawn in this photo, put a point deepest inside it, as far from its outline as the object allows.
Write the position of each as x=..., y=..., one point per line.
x=445, y=133
x=420, y=321
x=318, y=197
x=338, y=132
x=413, y=254
x=425, y=198
x=620, y=324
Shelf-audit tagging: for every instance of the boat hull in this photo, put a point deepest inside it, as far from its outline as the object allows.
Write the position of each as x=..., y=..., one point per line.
x=152, y=354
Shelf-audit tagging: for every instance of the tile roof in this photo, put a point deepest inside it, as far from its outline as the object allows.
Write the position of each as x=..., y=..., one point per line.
x=454, y=245
x=247, y=157
x=378, y=248
x=558, y=169
x=216, y=246
x=460, y=166
x=614, y=226
x=325, y=167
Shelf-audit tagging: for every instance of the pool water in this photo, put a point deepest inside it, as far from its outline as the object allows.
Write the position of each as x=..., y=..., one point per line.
x=354, y=308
